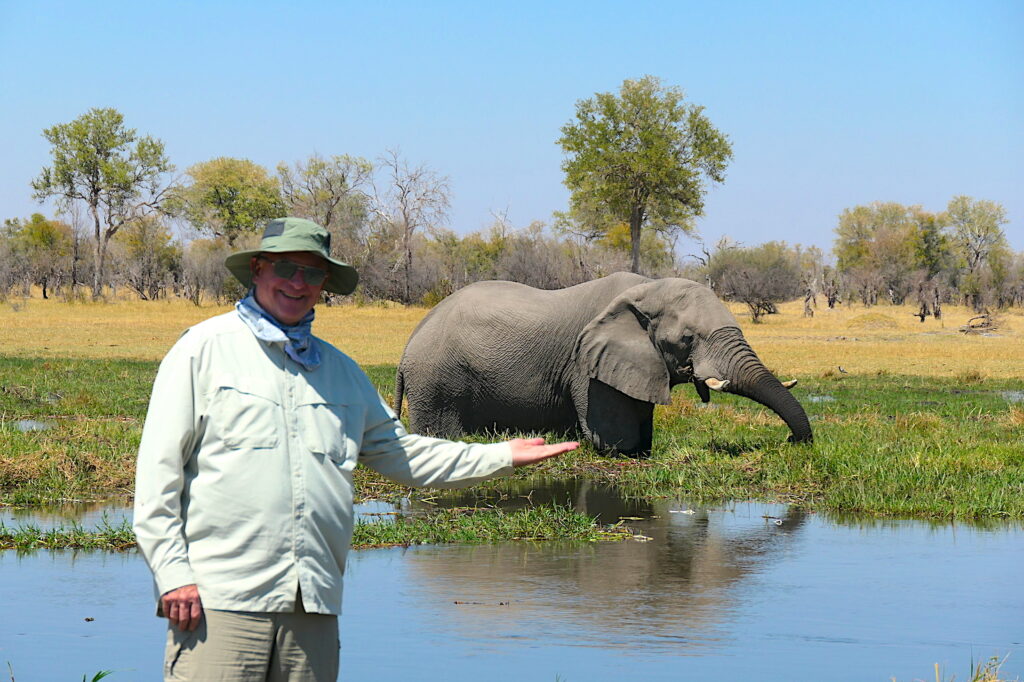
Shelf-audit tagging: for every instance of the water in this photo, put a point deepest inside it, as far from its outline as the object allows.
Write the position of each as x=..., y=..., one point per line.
x=719, y=593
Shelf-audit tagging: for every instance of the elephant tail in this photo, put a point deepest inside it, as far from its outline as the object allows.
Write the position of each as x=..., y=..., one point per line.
x=399, y=392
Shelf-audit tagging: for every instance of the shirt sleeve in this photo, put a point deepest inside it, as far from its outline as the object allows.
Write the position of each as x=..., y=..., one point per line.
x=169, y=435
x=421, y=461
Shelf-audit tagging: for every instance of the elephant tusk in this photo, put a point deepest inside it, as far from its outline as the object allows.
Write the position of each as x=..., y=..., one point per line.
x=716, y=385
x=789, y=384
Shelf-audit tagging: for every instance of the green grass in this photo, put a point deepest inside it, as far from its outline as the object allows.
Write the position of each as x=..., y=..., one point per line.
x=30, y=537
x=885, y=444
x=462, y=525
x=474, y=525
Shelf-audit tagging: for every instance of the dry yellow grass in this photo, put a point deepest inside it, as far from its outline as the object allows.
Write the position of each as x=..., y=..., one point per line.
x=145, y=330
x=861, y=340
x=885, y=339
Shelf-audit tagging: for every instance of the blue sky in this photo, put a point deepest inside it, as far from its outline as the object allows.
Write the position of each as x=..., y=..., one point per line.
x=827, y=104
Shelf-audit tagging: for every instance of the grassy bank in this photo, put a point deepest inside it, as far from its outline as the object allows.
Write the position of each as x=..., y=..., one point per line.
x=462, y=525
x=885, y=444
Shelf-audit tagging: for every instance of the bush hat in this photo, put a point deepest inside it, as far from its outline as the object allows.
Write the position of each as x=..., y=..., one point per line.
x=296, y=234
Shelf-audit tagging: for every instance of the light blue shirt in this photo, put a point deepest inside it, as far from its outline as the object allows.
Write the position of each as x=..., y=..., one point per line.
x=244, y=474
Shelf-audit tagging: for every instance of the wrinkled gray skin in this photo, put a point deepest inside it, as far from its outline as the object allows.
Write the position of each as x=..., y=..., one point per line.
x=597, y=356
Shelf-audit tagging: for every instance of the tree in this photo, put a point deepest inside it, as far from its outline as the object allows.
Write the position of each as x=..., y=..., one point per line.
x=414, y=198
x=879, y=248
x=760, y=276
x=150, y=257
x=641, y=158
x=977, y=233
x=203, y=271
x=934, y=249
x=43, y=250
x=118, y=175
x=228, y=197
x=330, y=192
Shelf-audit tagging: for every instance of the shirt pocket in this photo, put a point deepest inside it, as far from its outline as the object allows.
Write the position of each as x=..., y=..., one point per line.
x=325, y=427
x=246, y=412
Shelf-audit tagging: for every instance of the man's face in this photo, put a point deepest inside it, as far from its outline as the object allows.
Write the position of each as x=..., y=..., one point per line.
x=288, y=300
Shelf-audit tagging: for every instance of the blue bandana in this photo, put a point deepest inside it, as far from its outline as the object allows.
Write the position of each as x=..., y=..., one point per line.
x=299, y=343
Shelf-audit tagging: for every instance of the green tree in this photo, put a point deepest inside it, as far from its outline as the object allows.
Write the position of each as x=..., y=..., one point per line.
x=878, y=248
x=977, y=228
x=116, y=174
x=331, y=192
x=934, y=248
x=655, y=249
x=228, y=197
x=641, y=157
x=977, y=233
x=42, y=248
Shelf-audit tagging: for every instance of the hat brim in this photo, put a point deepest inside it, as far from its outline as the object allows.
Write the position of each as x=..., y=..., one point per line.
x=342, y=278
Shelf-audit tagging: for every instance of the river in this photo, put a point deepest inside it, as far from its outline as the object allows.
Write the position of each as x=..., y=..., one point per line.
x=733, y=591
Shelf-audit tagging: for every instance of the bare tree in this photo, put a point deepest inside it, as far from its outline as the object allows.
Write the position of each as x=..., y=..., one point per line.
x=414, y=198
x=760, y=276
x=150, y=258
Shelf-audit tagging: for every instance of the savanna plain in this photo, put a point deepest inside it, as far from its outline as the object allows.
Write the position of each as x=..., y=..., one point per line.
x=911, y=419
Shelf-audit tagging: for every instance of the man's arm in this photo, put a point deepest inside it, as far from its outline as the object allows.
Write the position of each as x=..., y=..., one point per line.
x=168, y=436
x=432, y=462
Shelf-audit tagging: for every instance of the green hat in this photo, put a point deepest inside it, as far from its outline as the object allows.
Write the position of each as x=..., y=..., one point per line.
x=296, y=234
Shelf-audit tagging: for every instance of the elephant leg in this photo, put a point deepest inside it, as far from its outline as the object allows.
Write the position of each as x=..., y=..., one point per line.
x=440, y=416
x=617, y=423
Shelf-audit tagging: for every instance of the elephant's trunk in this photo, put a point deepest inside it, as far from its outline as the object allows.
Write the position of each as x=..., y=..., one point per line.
x=728, y=352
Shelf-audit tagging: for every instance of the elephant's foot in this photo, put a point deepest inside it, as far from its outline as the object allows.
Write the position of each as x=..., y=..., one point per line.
x=642, y=451
x=636, y=453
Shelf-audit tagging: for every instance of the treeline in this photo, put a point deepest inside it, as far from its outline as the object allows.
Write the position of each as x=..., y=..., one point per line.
x=118, y=199
x=144, y=258
x=883, y=252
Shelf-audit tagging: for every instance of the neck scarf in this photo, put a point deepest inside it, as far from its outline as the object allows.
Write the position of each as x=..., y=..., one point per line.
x=299, y=343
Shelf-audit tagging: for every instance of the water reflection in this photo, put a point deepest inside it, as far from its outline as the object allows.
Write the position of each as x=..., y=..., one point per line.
x=674, y=591
x=88, y=515
x=740, y=591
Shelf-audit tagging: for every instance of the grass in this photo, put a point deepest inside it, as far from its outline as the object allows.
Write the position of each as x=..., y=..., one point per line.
x=145, y=330
x=462, y=525
x=862, y=340
x=884, y=444
x=923, y=421
x=983, y=671
x=102, y=674
x=474, y=525
x=29, y=537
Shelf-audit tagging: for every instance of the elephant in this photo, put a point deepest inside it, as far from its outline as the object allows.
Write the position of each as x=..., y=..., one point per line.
x=592, y=358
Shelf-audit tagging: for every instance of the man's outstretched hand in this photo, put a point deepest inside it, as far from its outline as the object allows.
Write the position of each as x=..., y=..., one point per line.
x=527, y=451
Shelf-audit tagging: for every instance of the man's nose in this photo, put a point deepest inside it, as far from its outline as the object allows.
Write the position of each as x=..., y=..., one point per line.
x=298, y=278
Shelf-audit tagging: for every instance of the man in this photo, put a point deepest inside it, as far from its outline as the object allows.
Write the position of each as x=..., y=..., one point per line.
x=243, y=500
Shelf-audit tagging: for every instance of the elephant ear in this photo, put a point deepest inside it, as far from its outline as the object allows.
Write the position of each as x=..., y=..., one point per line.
x=616, y=348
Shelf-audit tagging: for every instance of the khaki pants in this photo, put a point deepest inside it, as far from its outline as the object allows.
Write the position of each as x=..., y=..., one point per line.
x=240, y=646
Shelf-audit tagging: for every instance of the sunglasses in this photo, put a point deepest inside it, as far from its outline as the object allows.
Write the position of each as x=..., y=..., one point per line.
x=285, y=269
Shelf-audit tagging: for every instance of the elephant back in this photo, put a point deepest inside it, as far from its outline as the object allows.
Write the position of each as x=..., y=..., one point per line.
x=499, y=354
